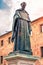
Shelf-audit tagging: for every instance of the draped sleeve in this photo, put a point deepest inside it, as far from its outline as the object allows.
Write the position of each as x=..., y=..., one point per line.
x=15, y=17
x=29, y=25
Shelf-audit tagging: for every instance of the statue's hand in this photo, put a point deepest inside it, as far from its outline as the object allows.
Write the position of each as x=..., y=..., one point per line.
x=13, y=37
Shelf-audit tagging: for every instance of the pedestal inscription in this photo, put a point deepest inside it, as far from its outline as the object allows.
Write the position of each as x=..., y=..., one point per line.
x=12, y=62
x=22, y=62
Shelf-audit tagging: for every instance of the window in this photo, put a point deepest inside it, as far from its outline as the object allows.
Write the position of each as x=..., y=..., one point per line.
x=41, y=51
x=1, y=42
x=41, y=26
x=9, y=40
x=1, y=59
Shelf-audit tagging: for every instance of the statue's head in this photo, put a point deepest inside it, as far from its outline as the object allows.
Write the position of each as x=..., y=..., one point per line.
x=23, y=5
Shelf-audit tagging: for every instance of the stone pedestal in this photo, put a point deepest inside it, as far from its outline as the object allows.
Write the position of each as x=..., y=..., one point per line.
x=21, y=59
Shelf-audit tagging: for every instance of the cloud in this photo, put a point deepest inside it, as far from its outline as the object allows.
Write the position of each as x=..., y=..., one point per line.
x=5, y=14
x=8, y=7
x=33, y=7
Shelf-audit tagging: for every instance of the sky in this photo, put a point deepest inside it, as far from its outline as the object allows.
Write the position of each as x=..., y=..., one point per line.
x=8, y=7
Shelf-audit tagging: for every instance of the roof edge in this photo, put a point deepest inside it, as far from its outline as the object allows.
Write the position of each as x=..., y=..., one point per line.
x=37, y=19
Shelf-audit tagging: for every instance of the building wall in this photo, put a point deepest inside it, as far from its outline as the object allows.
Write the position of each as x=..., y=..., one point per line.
x=36, y=40
x=7, y=47
x=37, y=37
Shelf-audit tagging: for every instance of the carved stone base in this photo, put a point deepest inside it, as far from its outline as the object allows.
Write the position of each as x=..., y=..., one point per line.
x=21, y=59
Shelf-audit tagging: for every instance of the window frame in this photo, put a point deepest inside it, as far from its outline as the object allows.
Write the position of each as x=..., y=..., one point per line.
x=41, y=51
x=1, y=42
x=1, y=59
x=41, y=27
x=9, y=40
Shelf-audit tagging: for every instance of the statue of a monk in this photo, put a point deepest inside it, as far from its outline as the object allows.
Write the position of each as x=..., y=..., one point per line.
x=21, y=30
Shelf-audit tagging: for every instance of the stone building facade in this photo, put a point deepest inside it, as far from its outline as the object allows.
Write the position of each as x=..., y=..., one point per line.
x=6, y=46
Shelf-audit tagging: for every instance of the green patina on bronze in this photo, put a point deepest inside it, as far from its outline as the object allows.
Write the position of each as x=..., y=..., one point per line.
x=21, y=31
x=17, y=55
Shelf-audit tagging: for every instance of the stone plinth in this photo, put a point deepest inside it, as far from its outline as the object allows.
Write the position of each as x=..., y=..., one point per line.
x=20, y=59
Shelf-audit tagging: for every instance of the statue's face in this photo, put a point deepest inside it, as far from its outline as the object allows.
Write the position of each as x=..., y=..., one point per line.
x=23, y=6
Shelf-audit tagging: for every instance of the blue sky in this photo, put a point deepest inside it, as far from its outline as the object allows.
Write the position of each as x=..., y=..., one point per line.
x=3, y=5
x=4, y=16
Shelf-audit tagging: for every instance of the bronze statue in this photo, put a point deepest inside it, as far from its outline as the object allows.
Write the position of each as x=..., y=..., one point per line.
x=21, y=30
